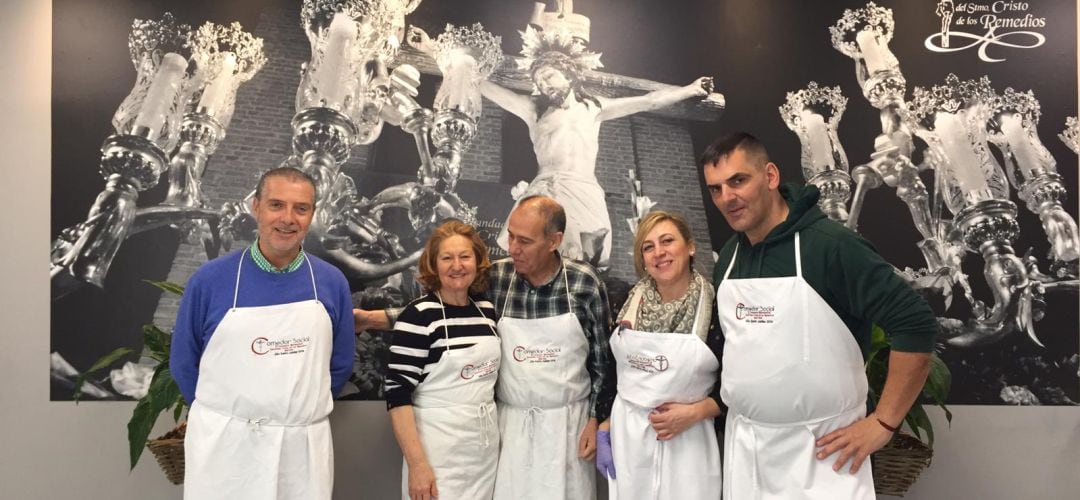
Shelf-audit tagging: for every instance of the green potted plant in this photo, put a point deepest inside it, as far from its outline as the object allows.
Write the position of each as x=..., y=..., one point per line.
x=898, y=464
x=162, y=394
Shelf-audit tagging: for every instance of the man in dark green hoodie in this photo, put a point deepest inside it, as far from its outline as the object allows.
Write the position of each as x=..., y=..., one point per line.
x=797, y=297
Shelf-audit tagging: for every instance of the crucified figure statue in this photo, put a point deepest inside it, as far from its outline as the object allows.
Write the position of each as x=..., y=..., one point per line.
x=945, y=9
x=564, y=125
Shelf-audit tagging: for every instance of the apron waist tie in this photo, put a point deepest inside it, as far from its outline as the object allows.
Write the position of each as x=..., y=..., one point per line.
x=258, y=422
x=658, y=463
x=746, y=438
x=859, y=407
x=531, y=414
x=484, y=415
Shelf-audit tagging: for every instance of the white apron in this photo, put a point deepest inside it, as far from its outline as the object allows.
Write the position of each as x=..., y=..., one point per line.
x=785, y=390
x=454, y=408
x=258, y=426
x=653, y=369
x=543, y=393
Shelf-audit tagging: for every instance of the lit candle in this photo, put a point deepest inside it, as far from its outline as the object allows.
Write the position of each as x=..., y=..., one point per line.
x=217, y=92
x=162, y=93
x=1019, y=144
x=335, y=58
x=872, y=52
x=817, y=134
x=965, y=167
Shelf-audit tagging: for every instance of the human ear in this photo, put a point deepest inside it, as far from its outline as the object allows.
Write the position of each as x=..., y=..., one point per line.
x=772, y=173
x=556, y=241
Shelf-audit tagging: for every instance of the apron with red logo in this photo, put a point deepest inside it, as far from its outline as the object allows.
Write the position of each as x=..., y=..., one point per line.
x=785, y=390
x=258, y=426
x=454, y=408
x=653, y=369
x=543, y=393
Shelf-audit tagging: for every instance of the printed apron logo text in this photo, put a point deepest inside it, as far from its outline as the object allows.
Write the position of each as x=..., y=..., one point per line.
x=524, y=354
x=755, y=314
x=648, y=364
x=262, y=346
x=481, y=370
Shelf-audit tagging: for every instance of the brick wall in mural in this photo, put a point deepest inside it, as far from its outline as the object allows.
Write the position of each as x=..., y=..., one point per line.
x=657, y=148
x=756, y=53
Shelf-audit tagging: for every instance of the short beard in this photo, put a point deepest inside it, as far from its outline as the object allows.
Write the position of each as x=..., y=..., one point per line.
x=556, y=100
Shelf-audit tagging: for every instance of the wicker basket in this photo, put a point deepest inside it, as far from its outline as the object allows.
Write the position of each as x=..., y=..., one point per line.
x=169, y=452
x=898, y=464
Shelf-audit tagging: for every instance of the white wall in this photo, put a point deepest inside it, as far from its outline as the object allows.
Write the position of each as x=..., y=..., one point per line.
x=59, y=450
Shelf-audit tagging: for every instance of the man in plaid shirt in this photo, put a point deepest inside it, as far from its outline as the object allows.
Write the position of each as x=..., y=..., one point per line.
x=556, y=376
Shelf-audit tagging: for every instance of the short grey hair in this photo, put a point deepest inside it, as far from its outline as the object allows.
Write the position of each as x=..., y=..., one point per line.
x=553, y=213
x=291, y=173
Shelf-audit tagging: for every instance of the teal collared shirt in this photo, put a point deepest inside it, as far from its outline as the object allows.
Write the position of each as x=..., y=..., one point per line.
x=265, y=265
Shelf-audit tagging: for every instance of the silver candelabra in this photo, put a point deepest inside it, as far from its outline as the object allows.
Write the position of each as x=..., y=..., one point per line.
x=177, y=70
x=184, y=99
x=971, y=210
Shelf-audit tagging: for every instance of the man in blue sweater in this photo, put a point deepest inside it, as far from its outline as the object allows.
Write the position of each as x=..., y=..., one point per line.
x=263, y=341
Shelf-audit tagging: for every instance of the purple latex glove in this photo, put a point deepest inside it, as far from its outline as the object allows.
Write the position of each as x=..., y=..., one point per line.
x=604, y=462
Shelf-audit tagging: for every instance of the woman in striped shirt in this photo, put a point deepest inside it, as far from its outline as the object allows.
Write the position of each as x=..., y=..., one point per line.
x=440, y=385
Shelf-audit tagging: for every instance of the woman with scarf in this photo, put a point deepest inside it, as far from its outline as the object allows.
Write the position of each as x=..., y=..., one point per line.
x=660, y=441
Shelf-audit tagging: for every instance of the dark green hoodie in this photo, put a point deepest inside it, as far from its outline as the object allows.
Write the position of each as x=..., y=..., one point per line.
x=859, y=285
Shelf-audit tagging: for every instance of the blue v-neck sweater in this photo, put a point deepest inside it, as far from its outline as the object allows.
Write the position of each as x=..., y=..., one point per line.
x=209, y=295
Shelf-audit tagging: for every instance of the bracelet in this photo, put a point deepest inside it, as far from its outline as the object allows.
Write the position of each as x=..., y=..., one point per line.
x=887, y=426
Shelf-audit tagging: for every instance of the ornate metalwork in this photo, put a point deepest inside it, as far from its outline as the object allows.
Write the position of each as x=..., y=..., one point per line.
x=1071, y=135
x=957, y=120
x=813, y=114
x=226, y=57
x=323, y=133
x=871, y=17
x=84, y=252
x=148, y=124
x=160, y=50
x=1032, y=169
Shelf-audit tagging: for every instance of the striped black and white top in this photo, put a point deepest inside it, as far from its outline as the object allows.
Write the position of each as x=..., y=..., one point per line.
x=419, y=340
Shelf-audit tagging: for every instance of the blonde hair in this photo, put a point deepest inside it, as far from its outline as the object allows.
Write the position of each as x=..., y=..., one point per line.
x=650, y=221
x=428, y=271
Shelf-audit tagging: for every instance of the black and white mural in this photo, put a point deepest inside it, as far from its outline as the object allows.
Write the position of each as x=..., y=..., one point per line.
x=931, y=128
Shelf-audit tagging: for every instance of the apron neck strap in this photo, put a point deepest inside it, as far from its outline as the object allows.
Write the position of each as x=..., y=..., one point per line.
x=506, y=298
x=446, y=327
x=635, y=303
x=798, y=257
x=311, y=270
x=236, y=288
x=732, y=263
x=702, y=304
x=566, y=281
x=482, y=315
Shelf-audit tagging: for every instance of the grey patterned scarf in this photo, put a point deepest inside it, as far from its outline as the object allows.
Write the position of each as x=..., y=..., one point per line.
x=655, y=315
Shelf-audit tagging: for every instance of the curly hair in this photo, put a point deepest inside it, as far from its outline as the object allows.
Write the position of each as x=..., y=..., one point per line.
x=428, y=270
